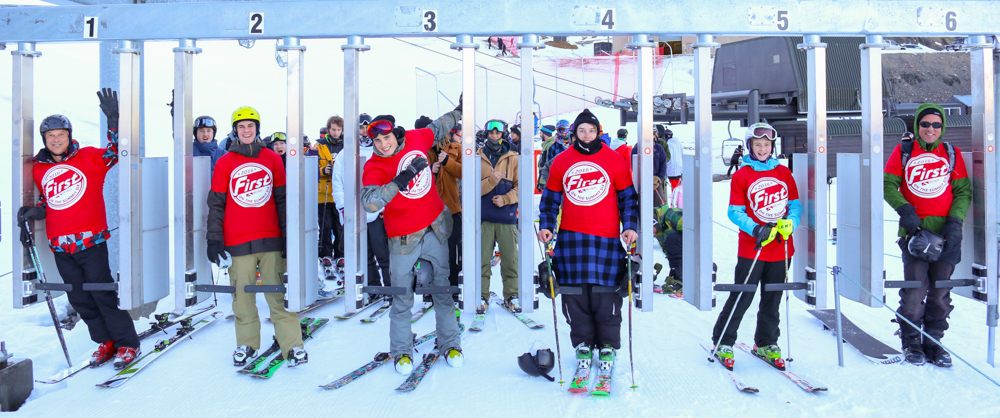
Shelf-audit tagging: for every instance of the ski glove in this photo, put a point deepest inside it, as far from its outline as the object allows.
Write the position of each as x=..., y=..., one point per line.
x=404, y=177
x=216, y=251
x=785, y=228
x=908, y=219
x=952, y=233
x=109, y=105
x=764, y=234
x=459, y=107
x=31, y=213
x=543, y=281
x=328, y=169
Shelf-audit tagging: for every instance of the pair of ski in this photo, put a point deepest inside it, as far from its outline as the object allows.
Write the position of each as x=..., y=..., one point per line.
x=581, y=379
x=162, y=323
x=382, y=358
x=741, y=385
x=185, y=331
x=480, y=320
x=371, y=318
x=267, y=363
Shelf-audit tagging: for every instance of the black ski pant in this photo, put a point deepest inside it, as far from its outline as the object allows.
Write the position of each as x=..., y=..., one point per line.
x=331, y=231
x=99, y=309
x=767, y=315
x=673, y=245
x=924, y=306
x=378, y=253
x=734, y=164
x=455, y=248
x=594, y=319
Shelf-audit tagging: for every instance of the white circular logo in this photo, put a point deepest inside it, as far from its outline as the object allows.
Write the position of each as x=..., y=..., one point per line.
x=421, y=184
x=586, y=183
x=250, y=185
x=927, y=175
x=768, y=198
x=63, y=186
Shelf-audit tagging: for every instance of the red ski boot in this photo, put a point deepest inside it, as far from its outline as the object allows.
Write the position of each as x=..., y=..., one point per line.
x=104, y=353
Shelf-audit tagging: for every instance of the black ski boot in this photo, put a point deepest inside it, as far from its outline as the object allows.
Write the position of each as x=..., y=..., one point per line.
x=936, y=354
x=913, y=351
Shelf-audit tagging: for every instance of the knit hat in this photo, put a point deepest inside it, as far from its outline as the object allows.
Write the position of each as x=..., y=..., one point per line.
x=930, y=111
x=397, y=130
x=516, y=129
x=422, y=122
x=586, y=117
x=389, y=118
x=548, y=129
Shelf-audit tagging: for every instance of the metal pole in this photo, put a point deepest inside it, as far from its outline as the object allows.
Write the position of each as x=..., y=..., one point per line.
x=302, y=269
x=812, y=253
x=698, y=185
x=872, y=247
x=836, y=302
x=129, y=178
x=644, y=47
x=355, y=225
x=471, y=226
x=182, y=255
x=526, y=177
x=984, y=161
x=22, y=127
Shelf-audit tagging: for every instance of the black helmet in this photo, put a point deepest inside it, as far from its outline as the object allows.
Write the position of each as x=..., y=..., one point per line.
x=622, y=133
x=423, y=273
x=667, y=133
x=55, y=122
x=538, y=364
x=926, y=245
x=205, y=122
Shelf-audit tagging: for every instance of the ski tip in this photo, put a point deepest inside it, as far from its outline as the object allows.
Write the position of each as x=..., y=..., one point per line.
x=751, y=390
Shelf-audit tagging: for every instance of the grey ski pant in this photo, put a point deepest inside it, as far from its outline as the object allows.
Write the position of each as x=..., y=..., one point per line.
x=401, y=266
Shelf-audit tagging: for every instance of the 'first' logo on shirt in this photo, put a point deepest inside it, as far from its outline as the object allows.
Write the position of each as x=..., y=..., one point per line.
x=768, y=198
x=927, y=175
x=250, y=185
x=63, y=186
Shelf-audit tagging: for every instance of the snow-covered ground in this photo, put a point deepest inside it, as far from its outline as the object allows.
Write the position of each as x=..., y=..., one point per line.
x=671, y=371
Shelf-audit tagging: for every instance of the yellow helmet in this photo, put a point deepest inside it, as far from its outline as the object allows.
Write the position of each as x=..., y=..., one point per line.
x=246, y=113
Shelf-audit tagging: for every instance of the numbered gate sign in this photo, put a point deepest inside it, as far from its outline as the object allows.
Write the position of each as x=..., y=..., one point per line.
x=256, y=23
x=607, y=19
x=90, y=27
x=430, y=23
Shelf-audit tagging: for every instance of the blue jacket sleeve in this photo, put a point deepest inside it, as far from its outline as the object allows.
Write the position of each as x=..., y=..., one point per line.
x=661, y=162
x=548, y=209
x=794, y=212
x=738, y=215
x=628, y=206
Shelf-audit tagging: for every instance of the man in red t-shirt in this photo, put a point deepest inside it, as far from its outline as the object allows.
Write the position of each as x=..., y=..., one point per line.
x=398, y=180
x=70, y=182
x=246, y=220
x=932, y=192
x=763, y=203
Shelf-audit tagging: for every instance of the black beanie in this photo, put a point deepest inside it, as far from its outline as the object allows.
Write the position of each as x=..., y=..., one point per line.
x=516, y=130
x=622, y=133
x=422, y=122
x=930, y=111
x=396, y=130
x=389, y=118
x=586, y=117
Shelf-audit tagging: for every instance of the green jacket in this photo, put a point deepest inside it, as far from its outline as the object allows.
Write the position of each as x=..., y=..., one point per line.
x=961, y=189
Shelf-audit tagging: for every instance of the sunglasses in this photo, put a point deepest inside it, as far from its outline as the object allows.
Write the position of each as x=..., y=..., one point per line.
x=377, y=128
x=935, y=125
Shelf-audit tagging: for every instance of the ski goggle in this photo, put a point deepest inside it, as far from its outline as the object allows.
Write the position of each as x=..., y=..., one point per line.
x=204, y=123
x=935, y=125
x=278, y=136
x=763, y=130
x=496, y=125
x=377, y=128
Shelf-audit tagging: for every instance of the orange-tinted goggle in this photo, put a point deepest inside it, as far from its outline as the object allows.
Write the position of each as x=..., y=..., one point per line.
x=380, y=127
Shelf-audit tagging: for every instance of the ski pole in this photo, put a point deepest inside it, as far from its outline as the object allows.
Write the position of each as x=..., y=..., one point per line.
x=555, y=318
x=738, y=298
x=788, y=318
x=48, y=295
x=631, y=364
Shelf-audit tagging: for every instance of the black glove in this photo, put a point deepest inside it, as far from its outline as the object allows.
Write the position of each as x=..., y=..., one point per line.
x=328, y=169
x=952, y=233
x=404, y=177
x=216, y=251
x=764, y=234
x=543, y=281
x=908, y=219
x=109, y=105
x=25, y=237
x=623, y=275
x=171, y=104
x=31, y=213
x=459, y=107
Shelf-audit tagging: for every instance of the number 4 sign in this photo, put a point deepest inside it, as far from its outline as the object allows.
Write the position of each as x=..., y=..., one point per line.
x=607, y=19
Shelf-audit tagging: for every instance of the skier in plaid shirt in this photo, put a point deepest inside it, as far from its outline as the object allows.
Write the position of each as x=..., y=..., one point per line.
x=593, y=187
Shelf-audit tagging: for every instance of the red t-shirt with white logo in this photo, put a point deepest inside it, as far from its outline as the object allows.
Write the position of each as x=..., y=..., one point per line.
x=765, y=194
x=249, y=183
x=926, y=181
x=74, y=193
x=590, y=184
x=416, y=208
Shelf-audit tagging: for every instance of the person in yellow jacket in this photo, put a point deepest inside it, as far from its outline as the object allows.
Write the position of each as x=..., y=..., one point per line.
x=499, y=203
x=331, y=229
